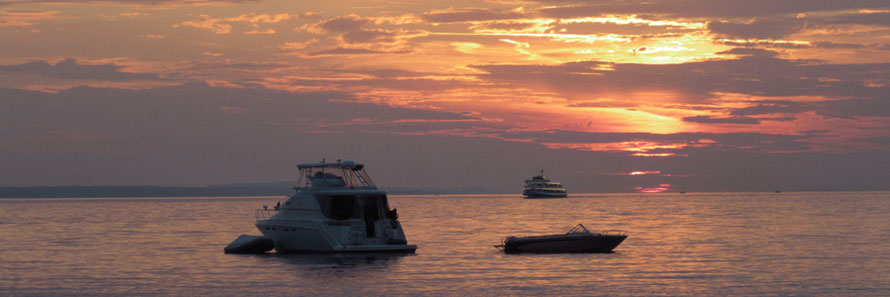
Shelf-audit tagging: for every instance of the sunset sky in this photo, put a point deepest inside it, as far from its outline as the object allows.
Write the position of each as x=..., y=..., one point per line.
x=606, y=96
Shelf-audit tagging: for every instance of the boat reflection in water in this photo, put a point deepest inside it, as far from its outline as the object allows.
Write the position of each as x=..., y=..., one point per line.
x=336, y=260
x=577, y=240
x=335, y=208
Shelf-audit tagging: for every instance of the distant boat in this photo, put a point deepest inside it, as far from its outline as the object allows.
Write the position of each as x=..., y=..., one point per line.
x=577, y=240
x=541, y=187
x=683, y=190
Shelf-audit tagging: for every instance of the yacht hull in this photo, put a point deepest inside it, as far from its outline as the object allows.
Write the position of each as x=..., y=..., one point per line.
x=533, y=194
x=303, y=237
x=294, y=238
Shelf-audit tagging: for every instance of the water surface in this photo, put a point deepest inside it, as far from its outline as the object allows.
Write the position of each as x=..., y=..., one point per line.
x=766, y=244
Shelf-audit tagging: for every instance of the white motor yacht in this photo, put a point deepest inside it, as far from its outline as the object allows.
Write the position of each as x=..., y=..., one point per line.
x=335, y=208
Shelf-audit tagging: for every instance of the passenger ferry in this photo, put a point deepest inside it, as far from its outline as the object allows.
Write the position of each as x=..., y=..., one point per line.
x=541, y=187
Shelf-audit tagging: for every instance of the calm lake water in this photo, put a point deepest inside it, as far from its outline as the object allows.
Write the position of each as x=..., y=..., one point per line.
x=764, y=244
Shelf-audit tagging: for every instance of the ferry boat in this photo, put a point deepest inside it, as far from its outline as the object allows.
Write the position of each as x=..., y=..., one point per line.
x=335, y=208
x=541, y=187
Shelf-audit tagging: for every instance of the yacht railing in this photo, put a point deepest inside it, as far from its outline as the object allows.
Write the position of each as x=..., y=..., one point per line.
x=265, y=214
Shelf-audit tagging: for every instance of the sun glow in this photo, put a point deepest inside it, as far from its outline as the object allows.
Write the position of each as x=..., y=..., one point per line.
x=659, y=189
x=644, y=172
x=633, y=19
x=637, y=148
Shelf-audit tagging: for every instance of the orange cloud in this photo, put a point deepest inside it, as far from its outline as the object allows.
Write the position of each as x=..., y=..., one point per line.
x=297, y=45
x=25, y=18
x=253, y=20
x=471, y=15
x=208, y=23
x=347, y=23
x=261, y=31
x=638, y=148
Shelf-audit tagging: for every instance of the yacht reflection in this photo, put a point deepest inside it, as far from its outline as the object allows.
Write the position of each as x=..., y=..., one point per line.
x=337, y=261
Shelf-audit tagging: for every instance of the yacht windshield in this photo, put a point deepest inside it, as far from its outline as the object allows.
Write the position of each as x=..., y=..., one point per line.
x=370, y=208
x=334, y=175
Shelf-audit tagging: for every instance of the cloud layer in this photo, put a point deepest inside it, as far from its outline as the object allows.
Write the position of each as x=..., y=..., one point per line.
x=707, y=93
x=168, y=135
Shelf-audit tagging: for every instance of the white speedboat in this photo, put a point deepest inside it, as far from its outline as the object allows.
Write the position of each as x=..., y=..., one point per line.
x=335, y=208
x=541, y=187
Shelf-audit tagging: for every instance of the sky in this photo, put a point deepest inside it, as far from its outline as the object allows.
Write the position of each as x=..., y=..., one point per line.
x=605, y=96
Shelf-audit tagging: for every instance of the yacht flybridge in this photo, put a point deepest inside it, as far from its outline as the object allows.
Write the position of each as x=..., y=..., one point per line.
x=335, y=208
x=541, y=187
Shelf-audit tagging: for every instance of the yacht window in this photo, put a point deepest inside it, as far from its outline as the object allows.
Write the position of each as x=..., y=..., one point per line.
x=371, y=214
x=324, y=203
x=327, y=179
x=384, y=203
x=342, y=207
x=370, y=208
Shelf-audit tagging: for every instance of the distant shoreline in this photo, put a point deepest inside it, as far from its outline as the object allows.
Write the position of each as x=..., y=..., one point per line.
x=134, y=191
x=230, y=190
x=274, y=189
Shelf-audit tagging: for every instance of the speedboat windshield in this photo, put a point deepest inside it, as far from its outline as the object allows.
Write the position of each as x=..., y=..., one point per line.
x=343, y=174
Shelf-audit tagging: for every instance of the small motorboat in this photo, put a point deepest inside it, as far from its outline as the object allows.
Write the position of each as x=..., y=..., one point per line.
x=577, y=240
